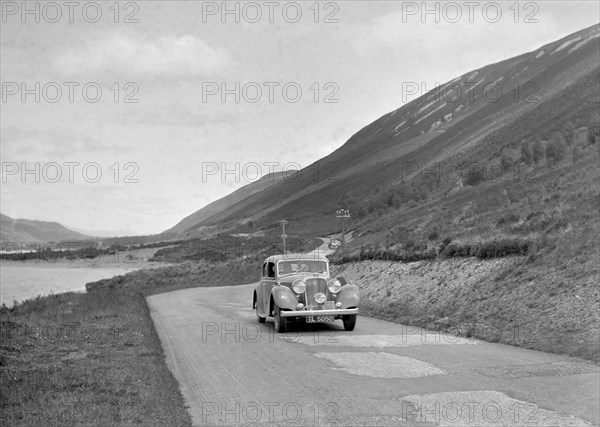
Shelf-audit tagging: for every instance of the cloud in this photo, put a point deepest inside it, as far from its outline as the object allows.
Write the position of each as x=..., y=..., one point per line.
x=172, y=114
x=165, y=56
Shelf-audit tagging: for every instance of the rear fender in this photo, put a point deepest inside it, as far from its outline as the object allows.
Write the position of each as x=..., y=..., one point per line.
x=349, y=296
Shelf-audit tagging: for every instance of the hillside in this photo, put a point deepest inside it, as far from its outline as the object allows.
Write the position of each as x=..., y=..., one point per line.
x=29, y=231
x=428, y=150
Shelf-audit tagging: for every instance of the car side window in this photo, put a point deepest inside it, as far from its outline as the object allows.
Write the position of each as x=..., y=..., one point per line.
x=271, y=269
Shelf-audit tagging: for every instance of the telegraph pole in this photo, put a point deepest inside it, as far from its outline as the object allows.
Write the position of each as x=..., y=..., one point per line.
x=283, y=223
x=341, y=214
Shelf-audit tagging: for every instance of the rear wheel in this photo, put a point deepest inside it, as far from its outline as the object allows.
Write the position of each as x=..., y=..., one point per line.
x=349, y=322
x=280, y=322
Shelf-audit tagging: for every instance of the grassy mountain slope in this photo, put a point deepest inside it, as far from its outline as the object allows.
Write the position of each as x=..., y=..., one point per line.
x=476, y=118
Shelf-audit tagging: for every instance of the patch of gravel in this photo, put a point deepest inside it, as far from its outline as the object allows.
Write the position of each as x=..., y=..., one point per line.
x=403, y=340
x=381, y=365
x=554, y=369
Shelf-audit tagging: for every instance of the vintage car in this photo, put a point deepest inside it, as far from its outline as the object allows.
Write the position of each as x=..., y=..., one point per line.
x=297, y=287
x=334, y=244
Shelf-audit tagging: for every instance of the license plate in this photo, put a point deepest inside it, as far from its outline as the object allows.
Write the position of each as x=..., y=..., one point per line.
x=319, y=319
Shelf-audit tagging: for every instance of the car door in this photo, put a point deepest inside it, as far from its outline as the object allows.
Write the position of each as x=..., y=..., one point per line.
x=260, y=290
x=267, y=283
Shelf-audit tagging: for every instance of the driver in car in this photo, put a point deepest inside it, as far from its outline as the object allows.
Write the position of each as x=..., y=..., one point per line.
x=286, y=268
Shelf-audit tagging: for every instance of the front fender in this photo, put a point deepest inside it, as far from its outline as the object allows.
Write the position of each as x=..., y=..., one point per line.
x=284, y=297
x=349, y=296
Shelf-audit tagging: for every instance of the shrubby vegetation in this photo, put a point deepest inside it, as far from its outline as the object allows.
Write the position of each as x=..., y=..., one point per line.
x=561, y=143
x=225, y=247
x=417, y=251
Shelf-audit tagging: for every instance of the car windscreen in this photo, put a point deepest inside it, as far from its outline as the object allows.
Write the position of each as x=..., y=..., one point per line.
x=301, y=266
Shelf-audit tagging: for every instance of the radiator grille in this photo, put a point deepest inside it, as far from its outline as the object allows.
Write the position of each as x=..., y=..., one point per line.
x=313, y=287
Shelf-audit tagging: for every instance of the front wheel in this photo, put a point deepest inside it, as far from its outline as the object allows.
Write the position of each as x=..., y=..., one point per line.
x=280, y=322
x=349, y=322
x=259, y=317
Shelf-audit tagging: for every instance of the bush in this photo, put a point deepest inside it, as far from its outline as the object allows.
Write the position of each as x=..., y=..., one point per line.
x=502, y=248
x=474, y=176
x=457, y=250
x=526, y=152
x=593, y=131
x=570, y=132
x=491, y=249
x=444, y=243
x=505, y=162
x=433, y=235
x=538, y=151
x=555, y=151
x=419, y=251
x=508, y=219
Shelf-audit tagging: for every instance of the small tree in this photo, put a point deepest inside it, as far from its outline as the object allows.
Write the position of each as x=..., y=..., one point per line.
x=526, y=152
x=505, y=162
x=555, y=151
x=538, y=151
x=570, y=132
x=593, y=131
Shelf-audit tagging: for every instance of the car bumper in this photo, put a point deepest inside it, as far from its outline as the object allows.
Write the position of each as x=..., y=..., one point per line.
x=333, y=312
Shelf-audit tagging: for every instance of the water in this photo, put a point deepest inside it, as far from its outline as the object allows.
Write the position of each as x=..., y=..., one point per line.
x=20, y=282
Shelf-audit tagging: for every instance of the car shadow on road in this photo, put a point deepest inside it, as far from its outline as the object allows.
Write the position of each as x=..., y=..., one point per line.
x=312, y=327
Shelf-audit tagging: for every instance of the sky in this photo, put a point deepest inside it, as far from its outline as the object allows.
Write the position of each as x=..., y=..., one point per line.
x=129, y=116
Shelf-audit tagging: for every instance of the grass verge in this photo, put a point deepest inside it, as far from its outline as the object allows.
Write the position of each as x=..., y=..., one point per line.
x=85, y=359
x=95, y=358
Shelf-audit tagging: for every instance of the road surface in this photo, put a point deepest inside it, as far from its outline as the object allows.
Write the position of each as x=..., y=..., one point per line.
x=235, y=371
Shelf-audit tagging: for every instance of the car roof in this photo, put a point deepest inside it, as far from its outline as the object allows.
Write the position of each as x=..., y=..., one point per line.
x=296, y=257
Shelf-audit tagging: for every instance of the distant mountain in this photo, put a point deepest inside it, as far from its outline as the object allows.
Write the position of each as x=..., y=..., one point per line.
x=30, y=231
x=106, y=233
x=192, y=221
x=483, y=116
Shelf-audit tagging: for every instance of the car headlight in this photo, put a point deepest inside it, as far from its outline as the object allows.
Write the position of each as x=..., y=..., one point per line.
x=299, y=286
x=320, y=298
x=334, y=286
